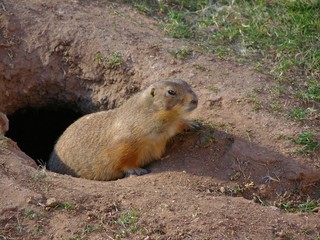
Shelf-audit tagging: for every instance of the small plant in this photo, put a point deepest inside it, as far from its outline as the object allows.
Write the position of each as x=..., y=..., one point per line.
x=251, y=98
x=30, y=213
x=256, y=103
x=90, y=229
x=232, y=190
x=142, y=7
x=199, y=67
x=66, y=206
x=277, y=90
x=311, y=94
x=208, y=140
x=128, y=223
x=299, y=114
x=39, y=175
x=40, y=230
x=176, y=25
x=304, y=114
x=19, y=227
x=213, y=89
x=307, y=206
x=275, y=107
x=112, y=60
x=61, y=205
x=181, y=53
x=307, y=139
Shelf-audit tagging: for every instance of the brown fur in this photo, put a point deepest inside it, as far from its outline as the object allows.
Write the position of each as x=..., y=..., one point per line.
x=110, y=144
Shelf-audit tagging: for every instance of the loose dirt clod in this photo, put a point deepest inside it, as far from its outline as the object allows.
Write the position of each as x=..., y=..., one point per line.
x=51, y=202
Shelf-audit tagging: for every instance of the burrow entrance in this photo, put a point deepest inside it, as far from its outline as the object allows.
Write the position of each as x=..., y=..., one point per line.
x=37, y=129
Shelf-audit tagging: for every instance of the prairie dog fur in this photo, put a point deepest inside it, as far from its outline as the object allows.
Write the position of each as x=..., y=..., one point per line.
x=108, y=145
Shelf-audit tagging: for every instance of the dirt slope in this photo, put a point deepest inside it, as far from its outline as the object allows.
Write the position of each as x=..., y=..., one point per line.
x=211, y=184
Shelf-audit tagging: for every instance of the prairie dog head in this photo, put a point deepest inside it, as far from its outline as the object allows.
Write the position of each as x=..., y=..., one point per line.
x=173, y=95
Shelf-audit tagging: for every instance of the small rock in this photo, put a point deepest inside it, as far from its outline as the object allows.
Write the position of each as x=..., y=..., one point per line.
x=51, y=202
x=274, y=208
x=280, y=234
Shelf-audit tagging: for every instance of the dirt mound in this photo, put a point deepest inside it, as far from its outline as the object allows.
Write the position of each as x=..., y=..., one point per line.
x=60, y=60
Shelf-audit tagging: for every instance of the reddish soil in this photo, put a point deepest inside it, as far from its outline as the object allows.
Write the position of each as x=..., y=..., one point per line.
x=220, y=182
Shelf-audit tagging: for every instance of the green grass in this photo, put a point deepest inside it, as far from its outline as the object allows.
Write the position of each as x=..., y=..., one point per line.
x=302, y=114
x=85, y=233
x=299, y=114
x=142, y=7
x=110, y=59
x=127, y=222
x=307, y=140
x=282, y=33
x=275, y=107
x=39, y=175
x=40, y=230
x=181, y=53
x=256, y=103
x=66, y=206
x=213, y=89
x=91, y=229
x=301, y=207
x=311, y=92
x=199, y=67
x=30, y=213
x=176, y=25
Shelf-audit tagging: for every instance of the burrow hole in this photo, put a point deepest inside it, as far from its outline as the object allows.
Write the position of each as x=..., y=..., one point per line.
x=36, y=130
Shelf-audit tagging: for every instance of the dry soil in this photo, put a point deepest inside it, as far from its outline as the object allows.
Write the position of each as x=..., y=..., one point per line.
x=224, y=181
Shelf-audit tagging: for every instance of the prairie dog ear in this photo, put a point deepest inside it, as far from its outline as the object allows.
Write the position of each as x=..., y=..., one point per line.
x=152, y=92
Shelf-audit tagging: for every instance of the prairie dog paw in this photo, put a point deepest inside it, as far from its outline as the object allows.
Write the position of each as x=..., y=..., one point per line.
x=192, y=125
x=137, y=172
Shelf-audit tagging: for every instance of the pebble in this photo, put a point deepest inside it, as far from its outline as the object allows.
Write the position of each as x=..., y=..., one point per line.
x=51, y=202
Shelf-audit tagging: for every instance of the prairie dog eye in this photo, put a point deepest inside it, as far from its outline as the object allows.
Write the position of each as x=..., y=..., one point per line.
x=172, y=92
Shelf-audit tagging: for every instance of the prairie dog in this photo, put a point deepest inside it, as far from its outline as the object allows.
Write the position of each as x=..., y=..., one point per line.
x=108, y=145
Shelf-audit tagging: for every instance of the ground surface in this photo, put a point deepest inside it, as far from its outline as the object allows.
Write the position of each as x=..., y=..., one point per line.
x=217, y=183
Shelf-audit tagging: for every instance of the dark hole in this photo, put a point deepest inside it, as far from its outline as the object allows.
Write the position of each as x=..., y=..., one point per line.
x=37, y=129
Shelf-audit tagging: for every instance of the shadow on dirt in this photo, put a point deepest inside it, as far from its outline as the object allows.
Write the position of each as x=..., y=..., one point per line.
x=253, y=169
